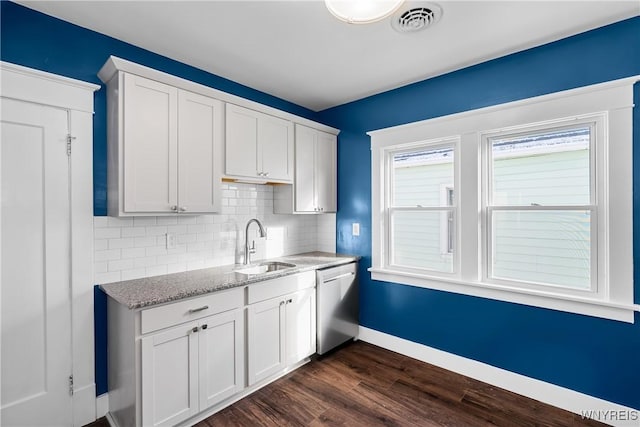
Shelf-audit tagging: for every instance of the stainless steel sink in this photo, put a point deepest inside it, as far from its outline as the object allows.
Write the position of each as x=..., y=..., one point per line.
x=265, y=267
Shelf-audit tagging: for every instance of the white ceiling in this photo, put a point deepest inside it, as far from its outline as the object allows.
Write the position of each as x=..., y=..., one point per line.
x=298, y=51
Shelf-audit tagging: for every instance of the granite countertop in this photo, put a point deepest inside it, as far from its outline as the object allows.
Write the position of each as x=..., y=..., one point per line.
x=154, y=290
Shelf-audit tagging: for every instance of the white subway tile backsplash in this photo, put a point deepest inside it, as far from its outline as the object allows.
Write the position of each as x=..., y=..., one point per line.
x=157, y=230
x=121, y=243
x=133, y=252
x=121, y=264
x=106, y=233
x=100, y=244
x=112, y=276
x=128, y=248
x=136, y=273
x=100, y=221
x=134, y=232
x=107, y=255
x=120, y=222
x=167, y=220
x=144, y=242
x=144, y=221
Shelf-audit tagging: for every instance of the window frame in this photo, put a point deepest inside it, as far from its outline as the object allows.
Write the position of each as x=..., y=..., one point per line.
x=614, y=102
x=389, y=209
x=597, y=194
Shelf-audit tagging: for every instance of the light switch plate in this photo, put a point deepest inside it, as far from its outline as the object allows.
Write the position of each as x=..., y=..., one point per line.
x=355, y=229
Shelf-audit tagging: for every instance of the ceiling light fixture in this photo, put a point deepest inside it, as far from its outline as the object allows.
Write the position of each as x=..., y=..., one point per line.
x=362, y=11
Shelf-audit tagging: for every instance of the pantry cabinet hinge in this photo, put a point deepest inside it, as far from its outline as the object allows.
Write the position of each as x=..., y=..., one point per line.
x=70, y=385
x=70, y=138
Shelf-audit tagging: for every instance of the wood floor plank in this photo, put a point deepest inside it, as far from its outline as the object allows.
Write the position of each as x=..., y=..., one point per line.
x=362, y=385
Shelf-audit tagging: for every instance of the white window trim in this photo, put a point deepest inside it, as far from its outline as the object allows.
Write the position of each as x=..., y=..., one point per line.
x=615, y=100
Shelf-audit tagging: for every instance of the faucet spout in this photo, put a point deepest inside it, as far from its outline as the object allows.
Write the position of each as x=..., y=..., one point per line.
x=251, y=250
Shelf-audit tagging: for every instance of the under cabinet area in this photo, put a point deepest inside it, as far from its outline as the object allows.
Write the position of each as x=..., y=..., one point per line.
x=258, y=146
x=164, y=148
x=314, y=188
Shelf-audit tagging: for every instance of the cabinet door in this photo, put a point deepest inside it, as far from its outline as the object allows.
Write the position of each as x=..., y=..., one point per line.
x=305, y=200
x=170, y=376
x=149, y=145
x=300, y=315
x=266, y=339
x=221, y=354
x=325, y=172
x=241, y=142
x=275, y=148
x=200, y=134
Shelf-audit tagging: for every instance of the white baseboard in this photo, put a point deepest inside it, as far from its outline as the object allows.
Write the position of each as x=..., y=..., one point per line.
x=564, y=398
x=102, y=405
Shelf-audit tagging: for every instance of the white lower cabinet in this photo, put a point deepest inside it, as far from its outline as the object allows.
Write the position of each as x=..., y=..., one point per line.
x=281, y=329
x=171, y=362
x=191, y=367
x=170, y=376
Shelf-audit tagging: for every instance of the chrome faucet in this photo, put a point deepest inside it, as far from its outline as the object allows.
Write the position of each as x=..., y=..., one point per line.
x=251, y=250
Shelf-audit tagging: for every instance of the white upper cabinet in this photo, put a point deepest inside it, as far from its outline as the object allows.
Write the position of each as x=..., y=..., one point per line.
x=165, y=148
x=200, y=135
x=171, y=141
x=149, y=143
x=259, y=147
x=315, y=185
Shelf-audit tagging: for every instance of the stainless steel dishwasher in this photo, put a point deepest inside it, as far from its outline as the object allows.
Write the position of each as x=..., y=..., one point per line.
x=337, y=306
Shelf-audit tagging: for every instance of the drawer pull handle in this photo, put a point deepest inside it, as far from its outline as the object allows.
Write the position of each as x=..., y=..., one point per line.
x=195, y=310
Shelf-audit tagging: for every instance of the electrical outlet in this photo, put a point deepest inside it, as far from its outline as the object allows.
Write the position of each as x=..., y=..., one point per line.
x=355, y=229
x=171, y=240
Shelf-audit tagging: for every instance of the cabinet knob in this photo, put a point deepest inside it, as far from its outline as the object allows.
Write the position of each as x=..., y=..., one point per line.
x=289, y=301
x=265, y=173
x=204, y=327
x=174, y=208
x=195, y=329
x=260, y=173
x=321, y=209
x=183, y=208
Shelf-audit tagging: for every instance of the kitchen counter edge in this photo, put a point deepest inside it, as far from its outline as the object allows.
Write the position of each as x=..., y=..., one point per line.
x=155, y=290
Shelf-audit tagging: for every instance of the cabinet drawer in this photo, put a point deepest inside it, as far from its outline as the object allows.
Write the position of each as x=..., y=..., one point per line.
x=175, y=313
x=281, y=286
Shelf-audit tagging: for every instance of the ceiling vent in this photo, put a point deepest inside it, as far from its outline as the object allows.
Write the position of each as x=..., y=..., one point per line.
x=416, y=17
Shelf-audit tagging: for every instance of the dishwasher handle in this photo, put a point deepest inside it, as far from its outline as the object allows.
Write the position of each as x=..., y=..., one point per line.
x=341, y=276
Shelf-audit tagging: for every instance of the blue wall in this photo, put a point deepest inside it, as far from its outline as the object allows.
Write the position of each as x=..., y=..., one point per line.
x=593, y=356
x=590, y=355
x=39, y=41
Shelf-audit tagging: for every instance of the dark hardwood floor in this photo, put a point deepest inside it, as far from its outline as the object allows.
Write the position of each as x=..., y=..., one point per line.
x=364, y=385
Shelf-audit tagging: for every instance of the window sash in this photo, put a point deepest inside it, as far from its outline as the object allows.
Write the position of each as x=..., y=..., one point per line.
x=444, y=207
x=489, y=249
x=487, y=252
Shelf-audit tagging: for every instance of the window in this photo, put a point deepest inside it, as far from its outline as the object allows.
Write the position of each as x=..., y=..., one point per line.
x=418, y=214
x=527, y=202
x=541, y=206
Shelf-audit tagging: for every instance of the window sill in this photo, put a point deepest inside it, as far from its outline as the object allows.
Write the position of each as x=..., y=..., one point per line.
x=571, y=304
